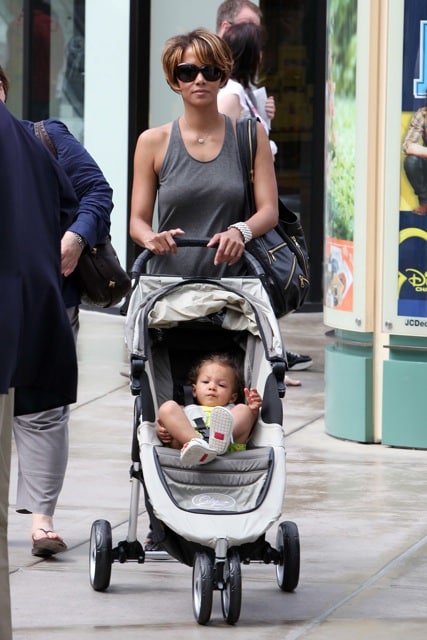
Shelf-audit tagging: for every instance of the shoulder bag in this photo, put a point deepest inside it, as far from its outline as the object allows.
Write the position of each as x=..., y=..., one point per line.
x=281, y=253
x=103, y=281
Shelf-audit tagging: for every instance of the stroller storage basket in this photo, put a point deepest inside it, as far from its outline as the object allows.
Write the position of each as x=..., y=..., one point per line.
x=235, y=483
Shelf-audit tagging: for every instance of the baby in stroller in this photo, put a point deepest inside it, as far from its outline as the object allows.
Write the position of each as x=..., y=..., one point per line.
x=216, y=424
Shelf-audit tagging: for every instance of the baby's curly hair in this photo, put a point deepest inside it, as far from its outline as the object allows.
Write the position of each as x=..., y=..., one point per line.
x=226, y=360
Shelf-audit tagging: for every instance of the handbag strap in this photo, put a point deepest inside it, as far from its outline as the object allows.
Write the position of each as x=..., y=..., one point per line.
x=42, y=134
x=247, y=144
x=252, y=106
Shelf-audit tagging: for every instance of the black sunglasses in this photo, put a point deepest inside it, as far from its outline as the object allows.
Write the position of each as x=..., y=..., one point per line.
x=188, y=72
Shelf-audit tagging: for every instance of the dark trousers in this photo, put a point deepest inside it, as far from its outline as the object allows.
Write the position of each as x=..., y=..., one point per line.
x=416, y=171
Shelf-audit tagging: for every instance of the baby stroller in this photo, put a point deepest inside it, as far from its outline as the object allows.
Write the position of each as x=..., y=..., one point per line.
x=212, y=517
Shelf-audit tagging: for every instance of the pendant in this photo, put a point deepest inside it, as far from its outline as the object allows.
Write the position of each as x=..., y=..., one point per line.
x=201, y=140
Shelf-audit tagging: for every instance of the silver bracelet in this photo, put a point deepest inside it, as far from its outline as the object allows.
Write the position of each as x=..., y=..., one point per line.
x=82, y=242
x=244, y=229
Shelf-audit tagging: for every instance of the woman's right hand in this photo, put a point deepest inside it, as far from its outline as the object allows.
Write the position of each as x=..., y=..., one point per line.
x=163, y=242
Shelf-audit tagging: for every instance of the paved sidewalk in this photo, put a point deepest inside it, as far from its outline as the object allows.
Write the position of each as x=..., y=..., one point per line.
x=360, y=509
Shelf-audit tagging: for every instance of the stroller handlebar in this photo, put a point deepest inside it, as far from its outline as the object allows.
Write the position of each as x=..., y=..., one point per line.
x=141, y=261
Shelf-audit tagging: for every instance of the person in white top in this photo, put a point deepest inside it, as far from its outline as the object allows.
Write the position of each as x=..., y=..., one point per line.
x=240, y=97
x=232, y=12
x=237, y=22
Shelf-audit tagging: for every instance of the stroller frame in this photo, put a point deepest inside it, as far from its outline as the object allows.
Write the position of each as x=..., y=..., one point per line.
x=184, y=504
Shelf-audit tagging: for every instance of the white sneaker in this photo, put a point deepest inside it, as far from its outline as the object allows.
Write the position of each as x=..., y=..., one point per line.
x=220, y=429
x=195, y=452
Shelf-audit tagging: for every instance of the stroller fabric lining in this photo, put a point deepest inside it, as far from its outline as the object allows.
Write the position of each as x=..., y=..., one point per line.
x=235, y=483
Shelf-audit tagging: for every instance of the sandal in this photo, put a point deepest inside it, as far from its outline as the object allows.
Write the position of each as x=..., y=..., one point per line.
x=46, y=547
x=196, y=451
x=220, y=429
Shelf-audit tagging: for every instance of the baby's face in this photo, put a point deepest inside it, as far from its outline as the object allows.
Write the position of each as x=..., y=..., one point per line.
x=215, y=385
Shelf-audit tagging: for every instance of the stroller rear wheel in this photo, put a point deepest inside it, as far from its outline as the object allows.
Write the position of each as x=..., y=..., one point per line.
x=203, y=584
x=100, y=555
x=231, y=594
x=287, y=542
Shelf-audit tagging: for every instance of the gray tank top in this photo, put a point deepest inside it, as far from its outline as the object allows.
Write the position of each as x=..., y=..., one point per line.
x=202, y=198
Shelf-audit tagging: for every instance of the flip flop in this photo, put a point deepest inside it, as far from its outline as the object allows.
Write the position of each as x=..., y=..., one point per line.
x=220, y=429
x=196, y=451
x=46, y=547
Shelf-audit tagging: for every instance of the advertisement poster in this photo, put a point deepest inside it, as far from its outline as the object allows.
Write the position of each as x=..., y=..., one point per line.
x=412, y=276
x=340, y=154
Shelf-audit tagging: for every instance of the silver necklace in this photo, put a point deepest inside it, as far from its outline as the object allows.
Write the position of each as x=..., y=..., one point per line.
x=200, y=139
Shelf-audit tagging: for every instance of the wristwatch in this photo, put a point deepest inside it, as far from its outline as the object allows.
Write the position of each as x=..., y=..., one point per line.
x=82, y=242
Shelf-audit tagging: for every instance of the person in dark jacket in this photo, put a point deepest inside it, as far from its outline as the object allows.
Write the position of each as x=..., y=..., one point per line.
x=38, y=367
x=42, y=439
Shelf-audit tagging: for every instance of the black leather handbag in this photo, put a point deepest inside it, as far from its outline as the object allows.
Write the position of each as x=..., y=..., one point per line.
x=281, y=253
x=102, y=279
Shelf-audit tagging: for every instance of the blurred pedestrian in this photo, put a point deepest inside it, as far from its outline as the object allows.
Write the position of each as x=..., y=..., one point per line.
x=38, y=368
x=42, y=438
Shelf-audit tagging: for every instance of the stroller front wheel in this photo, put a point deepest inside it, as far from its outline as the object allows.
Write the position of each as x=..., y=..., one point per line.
x=203, y=578
x=100, y=555
x=231, y=594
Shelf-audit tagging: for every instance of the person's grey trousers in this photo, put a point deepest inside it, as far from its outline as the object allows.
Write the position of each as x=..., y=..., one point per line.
x=6, y=419
x=41, y=441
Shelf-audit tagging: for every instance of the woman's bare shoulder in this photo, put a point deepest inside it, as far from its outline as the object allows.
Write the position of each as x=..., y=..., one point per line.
x=156, y=137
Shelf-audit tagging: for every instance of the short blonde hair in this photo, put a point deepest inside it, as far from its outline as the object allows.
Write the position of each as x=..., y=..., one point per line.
x=208, y=49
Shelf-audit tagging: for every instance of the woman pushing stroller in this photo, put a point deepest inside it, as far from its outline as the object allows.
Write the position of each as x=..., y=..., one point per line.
x=216, y=384
x=192, y=166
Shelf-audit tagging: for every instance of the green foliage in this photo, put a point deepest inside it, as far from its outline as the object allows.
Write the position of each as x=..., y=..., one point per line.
x=342, y=44
x=342, y=54
x=340, y=187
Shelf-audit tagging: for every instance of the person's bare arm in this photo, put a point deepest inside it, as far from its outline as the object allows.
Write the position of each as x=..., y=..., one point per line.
x=149, y=153
x=229, y=104
x=416, y=149
x=270, y=107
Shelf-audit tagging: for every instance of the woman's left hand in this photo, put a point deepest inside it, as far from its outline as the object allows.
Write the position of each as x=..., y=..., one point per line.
x=71, y=251
x=230, y=246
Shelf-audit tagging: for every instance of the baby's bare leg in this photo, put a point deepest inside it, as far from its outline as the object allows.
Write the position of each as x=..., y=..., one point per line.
x=173, y=419
x=243, y=422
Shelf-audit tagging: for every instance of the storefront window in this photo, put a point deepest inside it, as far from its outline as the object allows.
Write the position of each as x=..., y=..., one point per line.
x=44, y=59
x=293, y=71
x=290, y=75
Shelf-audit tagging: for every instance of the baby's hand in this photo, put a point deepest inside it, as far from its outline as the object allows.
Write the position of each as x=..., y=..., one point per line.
x=163, y=434
x=253, y=399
